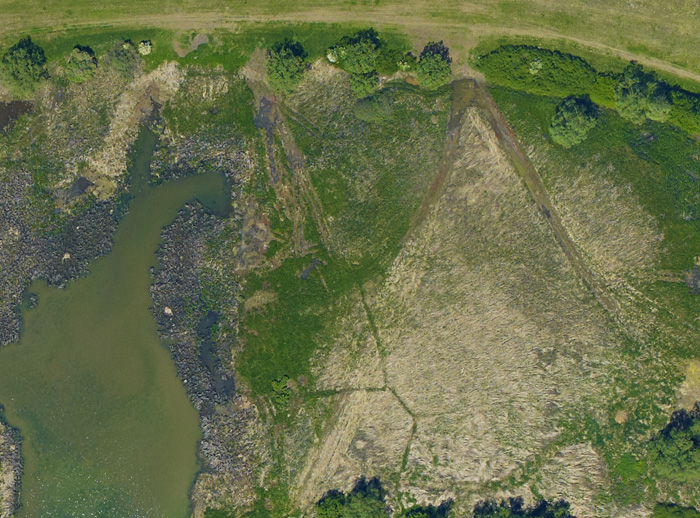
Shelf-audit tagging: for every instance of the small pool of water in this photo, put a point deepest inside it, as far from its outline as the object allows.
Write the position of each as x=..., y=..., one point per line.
x=10, y=112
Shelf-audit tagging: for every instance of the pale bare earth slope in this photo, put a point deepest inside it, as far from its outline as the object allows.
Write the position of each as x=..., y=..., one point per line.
x=489, y=345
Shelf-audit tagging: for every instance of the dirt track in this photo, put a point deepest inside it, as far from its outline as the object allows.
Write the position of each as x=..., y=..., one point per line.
x=467, y=92
x=532, y=180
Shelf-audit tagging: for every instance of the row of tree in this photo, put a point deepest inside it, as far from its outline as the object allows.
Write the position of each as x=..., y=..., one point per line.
x=24, y=65
x=637, y=94
x=365, y=56
x=367, y=500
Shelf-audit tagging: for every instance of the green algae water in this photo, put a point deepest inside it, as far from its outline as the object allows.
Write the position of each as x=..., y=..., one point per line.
x=107, y=428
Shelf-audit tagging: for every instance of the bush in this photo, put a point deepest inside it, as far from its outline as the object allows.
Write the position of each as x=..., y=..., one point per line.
x=429, y=511
x=286, y=65
x=637, y=95
x=434, y=67
x=373, y=109
x=640, y=96
x=685, y=111
x=358, y=53
x=81, y=64
x=124, y=58
x=675, y=453
x=363, y=85
x=281, y=393
x=366, y=500
x=575, y=117
x=24, y=64
x=538, y=71
x=514, y=507
x=674, y=511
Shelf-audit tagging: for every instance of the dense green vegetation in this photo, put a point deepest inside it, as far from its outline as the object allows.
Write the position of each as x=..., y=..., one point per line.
x=366, y=500
x=674, y=511
x=514, y=507
x=434, y=67
x=637, y=94
x=363, y=85
x=365, y=56
x=286, y=64
x=575, y=117
x=24, y=65
x=674, y=454
x=81, y=64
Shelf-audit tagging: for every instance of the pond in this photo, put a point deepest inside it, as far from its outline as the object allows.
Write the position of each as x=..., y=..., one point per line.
x=10, y=112
x=107, y=428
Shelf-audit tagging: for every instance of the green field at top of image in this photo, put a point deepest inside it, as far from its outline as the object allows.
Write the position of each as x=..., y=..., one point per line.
x=657, y=31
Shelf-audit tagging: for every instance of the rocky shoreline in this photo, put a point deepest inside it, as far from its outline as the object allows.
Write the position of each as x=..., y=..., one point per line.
x=57, y=258
x=201, y=344
x=11, y=468
x=26, y=255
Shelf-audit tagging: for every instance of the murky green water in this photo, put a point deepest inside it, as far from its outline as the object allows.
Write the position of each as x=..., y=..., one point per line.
x=108, y=429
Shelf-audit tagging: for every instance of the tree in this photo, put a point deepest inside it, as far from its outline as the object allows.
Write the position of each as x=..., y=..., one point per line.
x=640, y=96
x=675, y=452
x=366, y=500
x=575, y=117
x=434, y=66
x=514, y=507
x=674, y=511
x=24, y=64
x=81, y=64
x=363, y=85
x=358, y=53
x=286, y=65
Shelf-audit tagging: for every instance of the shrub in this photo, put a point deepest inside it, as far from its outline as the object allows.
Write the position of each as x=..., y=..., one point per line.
x=358, y=53
x=124, y=58
x=640, y=96
x=81, y=64
x=373, y=109
x=575, y=117
x=538, y=71
x=281, y=393
x=685, y=111
x=427, y=511
x=363, y=85
x=407, y=62
x=514, y=507
x=24, y=64
x=286, y=65
x=674, y=511
x=366, y=500
x=675, y=452
x=434, y=67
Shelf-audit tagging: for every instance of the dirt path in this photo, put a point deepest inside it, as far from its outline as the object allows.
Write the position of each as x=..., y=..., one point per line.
x=462, y=97
x=532, y=180
x=293, y=188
